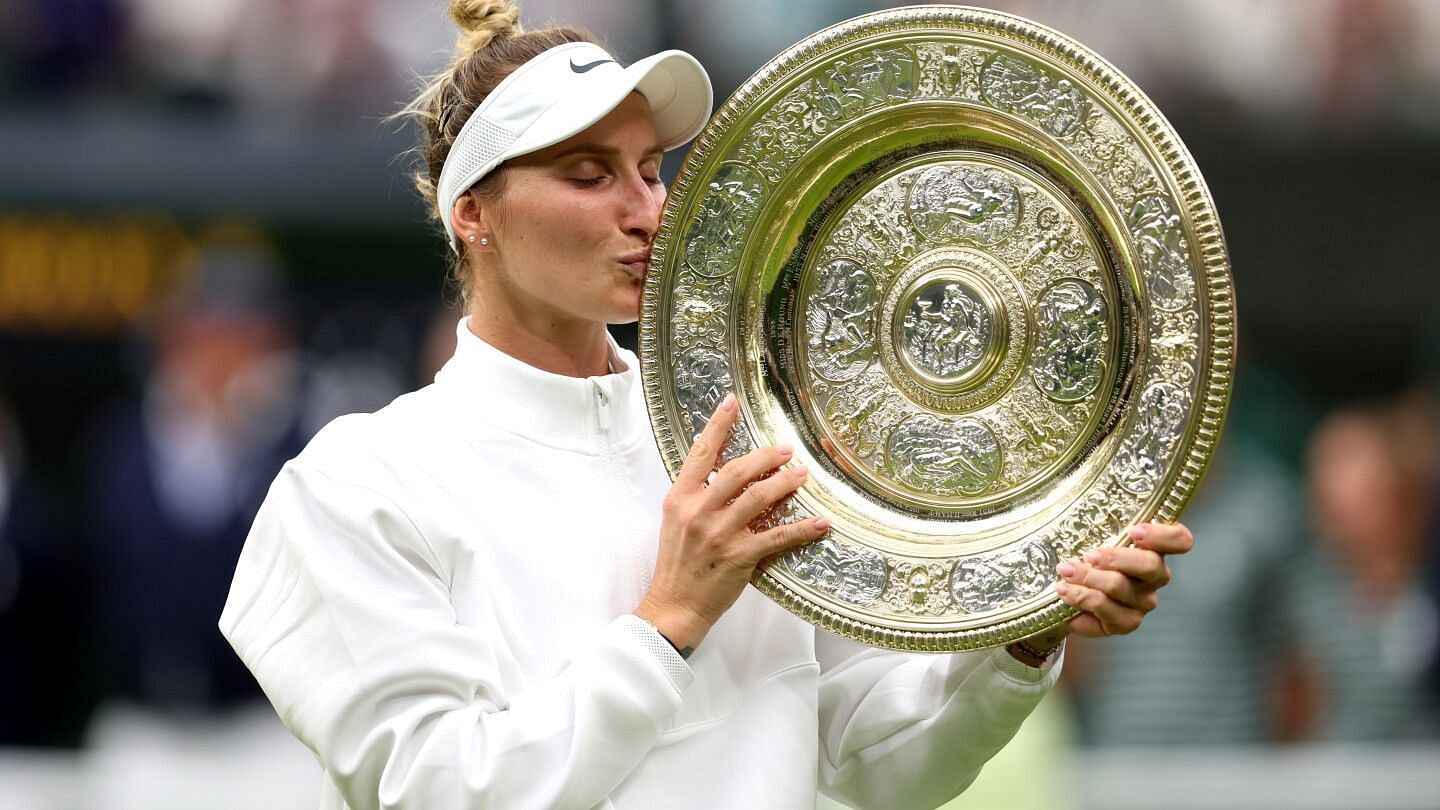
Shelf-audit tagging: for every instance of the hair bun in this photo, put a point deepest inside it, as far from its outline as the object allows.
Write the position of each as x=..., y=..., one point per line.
x=483, y=20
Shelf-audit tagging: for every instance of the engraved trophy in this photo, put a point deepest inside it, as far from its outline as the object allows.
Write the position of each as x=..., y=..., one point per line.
x=967, y=269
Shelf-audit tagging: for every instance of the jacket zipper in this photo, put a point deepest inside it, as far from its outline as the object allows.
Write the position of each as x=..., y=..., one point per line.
x=641, y=579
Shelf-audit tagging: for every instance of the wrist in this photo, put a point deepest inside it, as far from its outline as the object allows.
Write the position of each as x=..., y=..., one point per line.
x=679, y=626
x=1038, y=650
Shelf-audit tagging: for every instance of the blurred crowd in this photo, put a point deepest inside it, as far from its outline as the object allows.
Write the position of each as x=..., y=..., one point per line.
x=1364, y=64
x=1307, y=611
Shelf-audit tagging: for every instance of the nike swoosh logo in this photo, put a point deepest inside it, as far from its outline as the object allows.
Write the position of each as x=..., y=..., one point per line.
x=584, y=68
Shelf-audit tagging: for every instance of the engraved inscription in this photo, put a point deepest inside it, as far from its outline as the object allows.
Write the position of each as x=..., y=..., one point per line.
x=840, y=321
x=1069, y=358
x=1143, y=459
x=957, y=200
x=853, y=573
x=990, y=582
x=1019, y=86
x=944, y=457
x=1161, y=240
x=947, y=329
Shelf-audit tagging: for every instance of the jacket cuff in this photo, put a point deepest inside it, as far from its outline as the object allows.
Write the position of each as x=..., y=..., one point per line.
x=1021, y=673
x=659, y=649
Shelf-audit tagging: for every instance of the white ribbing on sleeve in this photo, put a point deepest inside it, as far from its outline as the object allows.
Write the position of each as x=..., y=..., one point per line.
x=647, y=634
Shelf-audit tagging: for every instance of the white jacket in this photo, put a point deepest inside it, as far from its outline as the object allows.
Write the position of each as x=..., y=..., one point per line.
x=436, y=599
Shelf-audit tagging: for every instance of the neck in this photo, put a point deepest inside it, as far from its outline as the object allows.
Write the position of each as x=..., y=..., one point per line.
x=578, y=350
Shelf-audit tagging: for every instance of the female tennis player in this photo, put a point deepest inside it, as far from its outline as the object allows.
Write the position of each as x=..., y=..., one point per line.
x=490, y=593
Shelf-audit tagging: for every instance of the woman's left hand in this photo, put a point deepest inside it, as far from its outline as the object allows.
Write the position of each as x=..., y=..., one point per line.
x=1116, y=587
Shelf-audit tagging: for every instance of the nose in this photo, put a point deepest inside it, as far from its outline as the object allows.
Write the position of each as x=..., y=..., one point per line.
x=640, y=207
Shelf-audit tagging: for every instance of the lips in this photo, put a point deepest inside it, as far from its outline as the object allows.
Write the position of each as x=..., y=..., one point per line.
x=637, y=263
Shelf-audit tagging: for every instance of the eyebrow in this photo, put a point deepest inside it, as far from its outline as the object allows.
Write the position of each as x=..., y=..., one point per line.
x=601, y=149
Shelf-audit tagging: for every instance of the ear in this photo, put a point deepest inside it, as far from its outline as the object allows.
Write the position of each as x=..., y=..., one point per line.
x=469, y=218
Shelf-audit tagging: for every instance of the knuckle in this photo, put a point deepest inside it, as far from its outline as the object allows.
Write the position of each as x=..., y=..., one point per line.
x=733, y=473
x=701, y=448
x=1149, y=601
x=753, y=498
x=1154, y=566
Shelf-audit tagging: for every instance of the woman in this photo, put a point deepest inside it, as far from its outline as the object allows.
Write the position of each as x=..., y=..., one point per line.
x=490, y=594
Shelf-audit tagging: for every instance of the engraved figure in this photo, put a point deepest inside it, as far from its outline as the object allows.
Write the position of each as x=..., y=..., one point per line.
x=853, y=573
x=856, y=84
x=714, y=239
x=1144, y=458
x=964, y=201
x=852, y=412
x=839, y=321
x=1161, y=240
x=942, y=457
x=945, y=70
x=949, y=339
x=1070, y=320
x=918, y=588
x=1016, y=85
x=986, y=583
x=702, y=378
x=1034, y=567
x=700, y=309
x=979, y=586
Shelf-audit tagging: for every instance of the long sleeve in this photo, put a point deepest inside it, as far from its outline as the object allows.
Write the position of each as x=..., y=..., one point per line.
x=913, y=730
x=341, y=609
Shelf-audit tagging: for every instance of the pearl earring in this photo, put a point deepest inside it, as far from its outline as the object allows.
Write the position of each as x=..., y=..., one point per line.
x=472, y=237
x=485, y=241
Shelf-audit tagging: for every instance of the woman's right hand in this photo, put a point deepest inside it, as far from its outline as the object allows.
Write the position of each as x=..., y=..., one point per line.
x=707, y=551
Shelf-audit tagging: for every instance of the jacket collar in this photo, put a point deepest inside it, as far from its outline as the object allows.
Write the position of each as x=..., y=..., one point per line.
x=552, y=409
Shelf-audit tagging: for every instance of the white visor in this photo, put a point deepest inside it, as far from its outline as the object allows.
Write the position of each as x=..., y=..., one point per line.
x=562, y=92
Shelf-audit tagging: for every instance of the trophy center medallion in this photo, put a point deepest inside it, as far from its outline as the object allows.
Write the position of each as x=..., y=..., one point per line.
x=948, y=329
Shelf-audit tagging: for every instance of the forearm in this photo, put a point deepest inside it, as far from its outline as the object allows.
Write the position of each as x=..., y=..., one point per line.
x=935, y=719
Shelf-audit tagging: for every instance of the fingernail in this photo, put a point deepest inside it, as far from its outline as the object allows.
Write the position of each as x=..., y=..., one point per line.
x=1092, y=557
x=800, y=470
x=728, y=403
x=822, y=523
x=1061, y=588
x=1139, y=532
x=785, y=449
x=1066, y=569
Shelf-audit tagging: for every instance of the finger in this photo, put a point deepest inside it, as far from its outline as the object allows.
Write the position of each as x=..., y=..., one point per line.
x=791, y=535
x=1146, y=566
x=701, y=459
x=762, y=495
x=1163, y=538
x=1114, y=618
x=732, y=481
x=1119, y=587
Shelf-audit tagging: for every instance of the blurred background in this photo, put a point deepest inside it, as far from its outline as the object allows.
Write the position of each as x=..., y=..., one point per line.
x=209, y=248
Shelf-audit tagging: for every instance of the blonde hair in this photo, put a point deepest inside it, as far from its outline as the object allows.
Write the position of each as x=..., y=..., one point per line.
x=491, y=45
